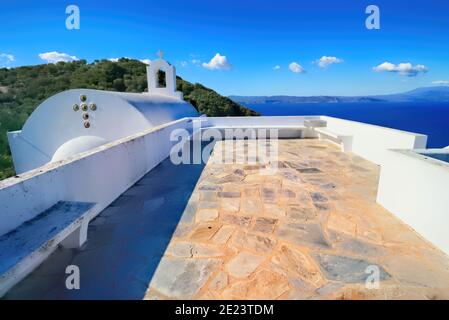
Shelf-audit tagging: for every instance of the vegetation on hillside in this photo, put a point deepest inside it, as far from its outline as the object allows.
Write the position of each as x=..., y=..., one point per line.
x=22, y=89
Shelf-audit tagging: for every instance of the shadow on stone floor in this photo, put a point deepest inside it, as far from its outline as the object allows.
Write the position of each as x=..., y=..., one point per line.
x=125, y=242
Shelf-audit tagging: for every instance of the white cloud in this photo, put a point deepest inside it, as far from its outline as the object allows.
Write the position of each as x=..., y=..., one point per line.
x=6, y=59
x=441, y=82
x=326, y=61
x=196, y=62
x=276, y=67
x=146, y=61
x=55, y=57
x=218, y=62
x=296, y=68
x=403, y=69
x=183, y=63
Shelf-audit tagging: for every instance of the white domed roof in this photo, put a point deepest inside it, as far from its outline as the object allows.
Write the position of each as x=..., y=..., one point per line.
x=76, y=120
x=116, y=115
x=77, y=145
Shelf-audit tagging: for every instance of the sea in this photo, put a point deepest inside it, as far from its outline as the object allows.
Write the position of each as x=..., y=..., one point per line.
x=431, y=119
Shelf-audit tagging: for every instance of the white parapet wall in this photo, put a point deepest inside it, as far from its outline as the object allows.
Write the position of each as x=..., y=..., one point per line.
x=99, y=175
x=372, y=142
x=415, y=187
x=256, y=122
x=369, y=141
x=258, y=127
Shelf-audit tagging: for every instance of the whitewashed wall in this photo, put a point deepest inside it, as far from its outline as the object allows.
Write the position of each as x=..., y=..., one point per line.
x=372, y=142
x=245, y=127
x=99, y=175
x=416, y=190
x=256, y=121
x=369, y=141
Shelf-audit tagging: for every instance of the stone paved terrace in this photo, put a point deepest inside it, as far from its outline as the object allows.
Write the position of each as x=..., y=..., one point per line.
x=230, y=231
x=310, y=231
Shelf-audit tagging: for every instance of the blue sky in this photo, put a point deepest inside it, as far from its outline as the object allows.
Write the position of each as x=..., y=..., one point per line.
x=254, y=36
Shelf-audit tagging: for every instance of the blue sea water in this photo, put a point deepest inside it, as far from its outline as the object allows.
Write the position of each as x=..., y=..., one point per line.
x=431, y=119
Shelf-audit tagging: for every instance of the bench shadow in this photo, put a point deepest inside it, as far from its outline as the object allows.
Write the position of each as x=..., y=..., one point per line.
x=126, y=241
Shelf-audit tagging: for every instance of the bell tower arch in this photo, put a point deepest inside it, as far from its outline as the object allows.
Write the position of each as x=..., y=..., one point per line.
x=170, y=78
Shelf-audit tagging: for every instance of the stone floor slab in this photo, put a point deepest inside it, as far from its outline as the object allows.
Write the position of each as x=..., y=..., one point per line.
x=179, y=278
x=243, y=264
x=303, y=234
x=349, y=270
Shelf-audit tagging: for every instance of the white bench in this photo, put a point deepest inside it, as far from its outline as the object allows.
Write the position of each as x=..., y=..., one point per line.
x=23, y=249
x=343, y=140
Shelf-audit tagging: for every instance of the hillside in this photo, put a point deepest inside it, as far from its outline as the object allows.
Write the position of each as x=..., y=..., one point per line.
x=425, y=94
x=22, y=89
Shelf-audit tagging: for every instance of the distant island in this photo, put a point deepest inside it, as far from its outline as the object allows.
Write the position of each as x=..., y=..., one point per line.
x=425, y=94
x=22, y=89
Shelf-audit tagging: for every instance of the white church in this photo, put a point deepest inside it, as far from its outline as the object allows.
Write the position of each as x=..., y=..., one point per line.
x=81, y=149
x=77, y=120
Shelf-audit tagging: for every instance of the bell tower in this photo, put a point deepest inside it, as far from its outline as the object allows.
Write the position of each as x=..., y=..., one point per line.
x=170, y=78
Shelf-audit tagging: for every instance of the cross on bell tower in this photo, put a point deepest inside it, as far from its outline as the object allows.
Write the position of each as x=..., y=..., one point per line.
x=160, y=54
